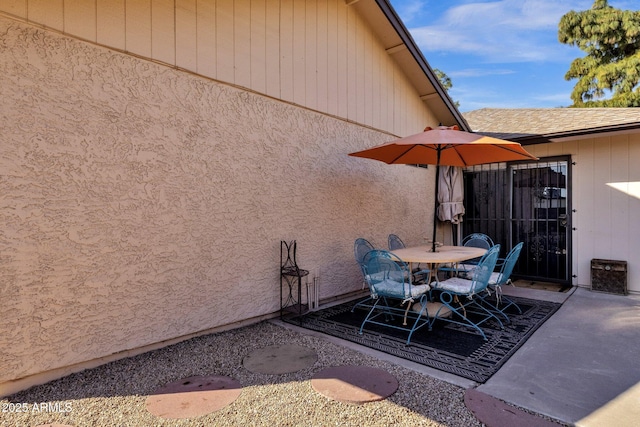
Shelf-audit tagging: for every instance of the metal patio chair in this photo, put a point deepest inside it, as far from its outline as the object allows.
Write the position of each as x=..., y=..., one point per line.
x=420, y=273
x=387, y=277
x=461, y=296
x=361, y=247
x=395, y=242
x=501, y=278
x=474, y=240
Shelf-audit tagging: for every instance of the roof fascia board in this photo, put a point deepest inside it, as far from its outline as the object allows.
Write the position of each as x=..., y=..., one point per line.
x=408, y=41
x=574, y=134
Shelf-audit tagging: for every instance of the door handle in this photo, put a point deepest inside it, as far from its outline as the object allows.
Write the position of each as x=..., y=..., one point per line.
x=563, y=220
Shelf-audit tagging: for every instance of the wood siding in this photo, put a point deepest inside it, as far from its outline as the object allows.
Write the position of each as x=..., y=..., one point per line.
x=319, y=54
x=606, y=198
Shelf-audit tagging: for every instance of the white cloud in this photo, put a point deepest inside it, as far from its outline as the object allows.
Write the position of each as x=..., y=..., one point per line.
x=499, y=53
x=501, y=31
x=409, y=9
x=479, y=72
x=473, y=97
x=560, y=98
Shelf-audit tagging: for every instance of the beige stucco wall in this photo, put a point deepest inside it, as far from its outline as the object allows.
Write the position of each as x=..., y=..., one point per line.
x=140, y=203
x=606, y=199
x=320, y=54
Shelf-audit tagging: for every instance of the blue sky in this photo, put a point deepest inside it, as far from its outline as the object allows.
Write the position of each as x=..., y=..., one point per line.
x=499, y=53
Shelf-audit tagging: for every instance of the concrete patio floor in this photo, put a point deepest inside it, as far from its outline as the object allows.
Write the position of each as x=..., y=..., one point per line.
x=582, y=366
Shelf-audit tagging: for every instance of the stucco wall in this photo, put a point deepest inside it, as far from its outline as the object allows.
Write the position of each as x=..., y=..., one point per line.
x=140, y=203
x=320, y=54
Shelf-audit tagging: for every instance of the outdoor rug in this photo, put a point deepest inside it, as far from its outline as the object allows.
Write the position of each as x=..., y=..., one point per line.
x=447, y=347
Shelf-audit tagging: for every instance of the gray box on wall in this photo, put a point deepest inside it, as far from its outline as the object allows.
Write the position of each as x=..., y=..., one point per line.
x=609, y=275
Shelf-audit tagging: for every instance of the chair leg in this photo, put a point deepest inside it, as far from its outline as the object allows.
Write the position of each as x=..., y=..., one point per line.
x=500, y=298
x=366, y=319
x=448, y=299
x=418, y=321
x=510, y=303
x=487, y=305
x=361, y=303
x=489, y=312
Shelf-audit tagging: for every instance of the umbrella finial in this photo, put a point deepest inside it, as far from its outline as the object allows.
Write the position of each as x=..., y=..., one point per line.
x=454, y=127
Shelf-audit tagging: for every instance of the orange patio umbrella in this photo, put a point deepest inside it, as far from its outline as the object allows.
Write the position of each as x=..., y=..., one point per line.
x=445, y=146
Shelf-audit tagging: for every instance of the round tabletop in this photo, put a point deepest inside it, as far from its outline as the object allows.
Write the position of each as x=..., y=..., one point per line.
x=443, y=254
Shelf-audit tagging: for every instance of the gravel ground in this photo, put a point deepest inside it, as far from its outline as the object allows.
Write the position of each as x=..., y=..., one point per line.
x=114, y=394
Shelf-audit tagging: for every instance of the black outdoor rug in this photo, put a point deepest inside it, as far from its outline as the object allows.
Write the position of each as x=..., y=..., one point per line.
x=447, y=347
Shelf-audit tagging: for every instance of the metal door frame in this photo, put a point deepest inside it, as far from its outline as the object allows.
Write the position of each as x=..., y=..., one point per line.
x=511, y=167
x=505, y=226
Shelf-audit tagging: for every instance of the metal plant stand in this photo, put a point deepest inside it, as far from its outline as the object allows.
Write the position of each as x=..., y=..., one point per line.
x=291, y=282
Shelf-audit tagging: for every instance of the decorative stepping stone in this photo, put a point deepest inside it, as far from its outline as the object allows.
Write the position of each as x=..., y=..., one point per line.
x=497, y=413
x=193, y=396
x=354, y=384
x=280, y=359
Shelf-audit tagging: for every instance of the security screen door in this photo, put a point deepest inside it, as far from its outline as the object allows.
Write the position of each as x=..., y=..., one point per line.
x=524, y=202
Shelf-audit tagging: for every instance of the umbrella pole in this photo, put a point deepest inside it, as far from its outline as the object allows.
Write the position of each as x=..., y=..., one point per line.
x=435, y=209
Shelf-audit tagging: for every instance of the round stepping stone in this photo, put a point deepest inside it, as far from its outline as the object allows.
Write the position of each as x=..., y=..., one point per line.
x=193, y=396
x=495, y=412
x=280, y=359
x=354, y=384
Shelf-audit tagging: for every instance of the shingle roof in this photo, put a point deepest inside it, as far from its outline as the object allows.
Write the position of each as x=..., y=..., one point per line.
x=535, y=124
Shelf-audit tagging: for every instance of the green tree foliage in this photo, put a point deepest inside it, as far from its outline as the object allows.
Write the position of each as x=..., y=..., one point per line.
x=611, y=39
x=445, y=81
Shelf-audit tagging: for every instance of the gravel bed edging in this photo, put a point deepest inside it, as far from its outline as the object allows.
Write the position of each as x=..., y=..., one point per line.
x=114, y=394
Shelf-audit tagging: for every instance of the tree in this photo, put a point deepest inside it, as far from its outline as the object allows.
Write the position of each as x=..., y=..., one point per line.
x=611, y=39
x=445, y=81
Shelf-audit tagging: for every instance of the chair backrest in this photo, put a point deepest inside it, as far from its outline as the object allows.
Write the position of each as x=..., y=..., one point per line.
x=477, y=240
x=360, y=248
x=386, y=274
x=481, y=274
x=395, y=242
x=508, y=264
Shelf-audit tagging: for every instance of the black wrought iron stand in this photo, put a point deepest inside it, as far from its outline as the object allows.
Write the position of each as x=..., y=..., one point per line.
x=290, y=276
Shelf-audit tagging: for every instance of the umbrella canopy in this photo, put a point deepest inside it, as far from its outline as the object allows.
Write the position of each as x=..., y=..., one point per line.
x=445, y=146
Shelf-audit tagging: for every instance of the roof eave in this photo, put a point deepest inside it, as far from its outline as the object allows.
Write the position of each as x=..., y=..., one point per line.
x=408, y=41
x=550, y=137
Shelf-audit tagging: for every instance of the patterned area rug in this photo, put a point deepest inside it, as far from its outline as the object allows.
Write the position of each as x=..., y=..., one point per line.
x=447, y=347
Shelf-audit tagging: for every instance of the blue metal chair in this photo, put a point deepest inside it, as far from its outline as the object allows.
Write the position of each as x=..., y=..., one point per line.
x=387, y=277
x=477, y=240
x=395, y=242
x=503, y=277
x=473, y=240
x=420, y=274
x=455, y=289
x=361, y=247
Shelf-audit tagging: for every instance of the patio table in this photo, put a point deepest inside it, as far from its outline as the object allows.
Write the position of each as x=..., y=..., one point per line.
x=443, y=255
